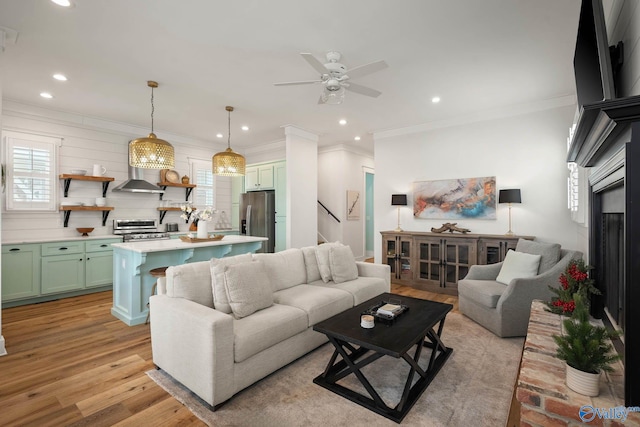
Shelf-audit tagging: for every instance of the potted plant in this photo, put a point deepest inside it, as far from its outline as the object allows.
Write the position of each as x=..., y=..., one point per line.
x=586, y=349
x=574, y=280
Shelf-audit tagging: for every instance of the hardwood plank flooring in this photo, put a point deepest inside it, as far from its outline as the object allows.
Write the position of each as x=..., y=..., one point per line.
x=70, y=362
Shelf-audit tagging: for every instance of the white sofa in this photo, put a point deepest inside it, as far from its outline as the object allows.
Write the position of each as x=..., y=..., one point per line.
x=198, y=339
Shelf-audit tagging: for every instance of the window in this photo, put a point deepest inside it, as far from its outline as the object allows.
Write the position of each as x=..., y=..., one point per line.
x=203, y=194
x=31, y=160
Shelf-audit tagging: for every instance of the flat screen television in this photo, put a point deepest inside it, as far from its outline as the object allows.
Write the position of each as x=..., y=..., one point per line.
x=592, y=59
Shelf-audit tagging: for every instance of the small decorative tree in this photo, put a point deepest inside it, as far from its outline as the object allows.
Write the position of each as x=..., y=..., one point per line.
x=585, y=347
x=574, y=280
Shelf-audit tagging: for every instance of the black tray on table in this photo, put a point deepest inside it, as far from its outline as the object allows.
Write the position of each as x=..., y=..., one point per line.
x=385, y=318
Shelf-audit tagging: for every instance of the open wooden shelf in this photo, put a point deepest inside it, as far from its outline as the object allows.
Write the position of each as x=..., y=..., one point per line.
x=67, y=212
x=188, y=188
x=163, y=211
x=105, y=180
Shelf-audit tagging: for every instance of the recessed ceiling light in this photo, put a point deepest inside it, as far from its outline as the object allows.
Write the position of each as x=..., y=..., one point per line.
x=219, y=135
x=245, y=127
x=60, y=77
x=342, y=122
x=46, y=95
x=65, y=3
x=357, y=138
x=435, y=99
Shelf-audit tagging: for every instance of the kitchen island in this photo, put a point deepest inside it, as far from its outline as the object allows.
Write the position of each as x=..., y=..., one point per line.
x=132, y=261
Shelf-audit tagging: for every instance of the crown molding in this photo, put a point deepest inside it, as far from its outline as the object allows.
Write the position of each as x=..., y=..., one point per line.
x=302, y=133
x=481, y=116
x=344, y=147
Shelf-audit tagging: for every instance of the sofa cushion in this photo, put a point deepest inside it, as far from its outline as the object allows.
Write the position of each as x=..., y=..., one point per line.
x=319, y=303
x=322, y=255
x=285, y=268
x=342, y=264
x=191, y=281
x=549, y=252
x=362, y=288
x=248, y=288
x=518, y=265
x=484, y=292
x=265, y=328
x=218, y=265
x=311, y=263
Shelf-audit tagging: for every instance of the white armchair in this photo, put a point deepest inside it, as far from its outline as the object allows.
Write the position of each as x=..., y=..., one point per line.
x=504, y=309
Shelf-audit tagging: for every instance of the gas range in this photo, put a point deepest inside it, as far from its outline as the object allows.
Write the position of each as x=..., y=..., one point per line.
x=138, y=229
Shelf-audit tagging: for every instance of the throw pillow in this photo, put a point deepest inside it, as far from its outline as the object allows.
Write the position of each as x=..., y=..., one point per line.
x=343, y=264
x=220, y=301
x=322, y=255
x=248, y=288
x=311, y=263
x=549, y=252
x=518, y=265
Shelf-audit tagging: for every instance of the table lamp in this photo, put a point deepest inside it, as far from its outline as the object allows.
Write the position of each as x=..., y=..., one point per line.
x=398, y=200
x=509, y=196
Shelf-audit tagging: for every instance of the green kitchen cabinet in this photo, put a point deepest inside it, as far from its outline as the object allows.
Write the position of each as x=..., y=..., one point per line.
x=62, y=266
x=20, y=271
x=99, y=262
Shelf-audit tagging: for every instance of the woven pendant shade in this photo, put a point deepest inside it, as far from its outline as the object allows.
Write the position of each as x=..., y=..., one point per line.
x=228, y=162
x=151, y=152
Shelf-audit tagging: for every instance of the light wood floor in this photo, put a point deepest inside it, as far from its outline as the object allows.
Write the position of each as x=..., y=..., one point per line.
x=71, y=362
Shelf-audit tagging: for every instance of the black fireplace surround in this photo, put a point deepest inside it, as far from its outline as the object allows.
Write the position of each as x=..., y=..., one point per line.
x=607, y=139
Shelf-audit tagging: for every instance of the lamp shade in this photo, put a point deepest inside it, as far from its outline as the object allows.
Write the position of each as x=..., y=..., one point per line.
x=398, y=200
x=509, y=196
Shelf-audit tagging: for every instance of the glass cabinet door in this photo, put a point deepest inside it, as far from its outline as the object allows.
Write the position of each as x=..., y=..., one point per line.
x=429, y=260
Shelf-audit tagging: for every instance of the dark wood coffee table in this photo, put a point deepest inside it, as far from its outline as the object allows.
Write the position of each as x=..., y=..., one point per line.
x=352, y=343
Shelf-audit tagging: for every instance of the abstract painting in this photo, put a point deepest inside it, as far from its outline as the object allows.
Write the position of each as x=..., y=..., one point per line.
x=464, y=198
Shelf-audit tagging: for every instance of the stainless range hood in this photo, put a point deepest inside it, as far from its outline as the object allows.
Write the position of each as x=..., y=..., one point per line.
x=135, y=183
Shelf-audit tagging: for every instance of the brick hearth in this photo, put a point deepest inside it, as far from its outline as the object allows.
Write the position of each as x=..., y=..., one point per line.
x=544, y=398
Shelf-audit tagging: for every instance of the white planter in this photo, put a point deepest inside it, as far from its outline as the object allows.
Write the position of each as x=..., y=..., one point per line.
x=203, y=232
x=582, y=382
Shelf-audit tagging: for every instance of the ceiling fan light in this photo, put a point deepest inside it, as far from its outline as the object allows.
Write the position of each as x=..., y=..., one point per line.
x=333, y=98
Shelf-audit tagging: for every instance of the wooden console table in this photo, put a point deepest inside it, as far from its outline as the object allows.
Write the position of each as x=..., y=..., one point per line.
x=436, y=261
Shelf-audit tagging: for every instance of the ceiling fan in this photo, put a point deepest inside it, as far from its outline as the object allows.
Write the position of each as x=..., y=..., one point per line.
x=335, y=77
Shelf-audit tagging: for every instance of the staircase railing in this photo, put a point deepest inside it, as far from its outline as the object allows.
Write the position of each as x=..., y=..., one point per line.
x=328, y=211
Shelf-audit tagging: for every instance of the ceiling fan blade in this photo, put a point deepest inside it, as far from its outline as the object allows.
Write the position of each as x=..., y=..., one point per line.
x=362, y=90
x=306, y=82
x=366, y=69
x=317, y=65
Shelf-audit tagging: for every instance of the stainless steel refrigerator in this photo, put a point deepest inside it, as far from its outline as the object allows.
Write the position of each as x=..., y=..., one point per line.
x=258, y=217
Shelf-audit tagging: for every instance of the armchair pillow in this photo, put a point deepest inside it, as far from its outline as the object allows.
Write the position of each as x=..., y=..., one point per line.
x=517, y=265
x=549, y=252
x=248, y=288
x=343, y=264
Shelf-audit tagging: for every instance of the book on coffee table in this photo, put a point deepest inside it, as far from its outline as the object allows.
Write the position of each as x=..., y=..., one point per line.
x=390, y=309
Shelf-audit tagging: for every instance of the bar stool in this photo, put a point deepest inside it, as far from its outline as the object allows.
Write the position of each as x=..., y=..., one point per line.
x=157, y=273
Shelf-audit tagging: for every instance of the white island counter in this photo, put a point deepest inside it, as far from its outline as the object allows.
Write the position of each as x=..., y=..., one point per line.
x=132, y=261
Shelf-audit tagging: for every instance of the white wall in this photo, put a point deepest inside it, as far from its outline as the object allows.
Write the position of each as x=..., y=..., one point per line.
x=3, y=350
x=87, y=141
x=340, y=168
x=302, y=187
x=623, y=24
x=526, y=151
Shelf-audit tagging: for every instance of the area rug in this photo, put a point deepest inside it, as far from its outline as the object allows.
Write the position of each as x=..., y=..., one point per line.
x=474, y=387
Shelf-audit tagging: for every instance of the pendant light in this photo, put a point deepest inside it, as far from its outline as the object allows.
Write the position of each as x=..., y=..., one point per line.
x=228, y=162
x=151, y=152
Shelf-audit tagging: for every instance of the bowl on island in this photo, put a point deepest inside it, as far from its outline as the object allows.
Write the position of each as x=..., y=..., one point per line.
x=85, y=231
